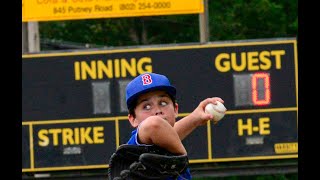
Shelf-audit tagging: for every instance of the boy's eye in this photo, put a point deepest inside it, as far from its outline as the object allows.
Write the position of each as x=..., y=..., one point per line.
x=147, y=107
x=163, y=103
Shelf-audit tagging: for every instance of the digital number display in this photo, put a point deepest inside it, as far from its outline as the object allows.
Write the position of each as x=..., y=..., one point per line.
x=252, y=89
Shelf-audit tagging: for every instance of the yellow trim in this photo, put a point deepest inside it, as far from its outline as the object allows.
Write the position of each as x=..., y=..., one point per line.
x=199, y=46
x=191, y=162
x=117, y=132
x=243, y=158
x=65, y=168
x=296, y=73
x=31, y=147
x=117, y=118
x=209, y=140
x=60, y=121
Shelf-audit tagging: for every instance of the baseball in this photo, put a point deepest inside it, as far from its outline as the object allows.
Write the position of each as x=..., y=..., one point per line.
x=217, y=110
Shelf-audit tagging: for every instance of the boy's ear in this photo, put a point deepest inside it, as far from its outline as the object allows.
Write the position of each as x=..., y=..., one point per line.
x=132, y=120
x=176, y=109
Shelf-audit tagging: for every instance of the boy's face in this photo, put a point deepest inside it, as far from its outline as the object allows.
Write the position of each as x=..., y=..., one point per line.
x=154, y=103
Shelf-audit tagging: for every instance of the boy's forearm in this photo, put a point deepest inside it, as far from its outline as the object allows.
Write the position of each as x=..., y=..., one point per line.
x=185, y=126
x=197, y=118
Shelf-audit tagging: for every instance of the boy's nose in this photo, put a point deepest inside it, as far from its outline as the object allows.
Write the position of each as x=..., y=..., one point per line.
x=158, y=111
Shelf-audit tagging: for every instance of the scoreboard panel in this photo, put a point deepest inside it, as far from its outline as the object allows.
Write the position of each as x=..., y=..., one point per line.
x=73, y=103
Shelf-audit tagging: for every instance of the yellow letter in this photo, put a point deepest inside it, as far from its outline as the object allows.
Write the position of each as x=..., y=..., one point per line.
x=55, y=137
x=42, y=134
x=67, y=136
x=92, y=71
x=76, y=136
x=243, y=62
x=277, y=55
x=253, y=61
x=263, y=125
x=266, y=63
x=131, y=68
x=85, y=135
x=242, y=127
x=141, y=62
x=116, y=68
x=106, y=69
x=77, y=70
x=222, y=66
x=98, y=135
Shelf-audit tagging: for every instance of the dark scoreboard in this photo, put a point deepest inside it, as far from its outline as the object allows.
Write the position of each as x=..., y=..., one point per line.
x=74, y=113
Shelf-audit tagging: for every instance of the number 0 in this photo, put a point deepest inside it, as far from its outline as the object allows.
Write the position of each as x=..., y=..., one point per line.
x=265, y=94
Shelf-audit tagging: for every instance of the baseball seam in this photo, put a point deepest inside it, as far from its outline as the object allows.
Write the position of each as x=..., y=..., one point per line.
x=215, y=108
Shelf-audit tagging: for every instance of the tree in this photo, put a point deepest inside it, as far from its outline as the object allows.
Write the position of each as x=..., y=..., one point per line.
x=228, y=20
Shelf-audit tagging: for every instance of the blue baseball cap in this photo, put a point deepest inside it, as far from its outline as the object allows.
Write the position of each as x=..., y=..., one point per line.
x=147, y=82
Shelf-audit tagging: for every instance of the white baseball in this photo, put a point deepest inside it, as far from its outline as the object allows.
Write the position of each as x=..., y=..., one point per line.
x=217, y=110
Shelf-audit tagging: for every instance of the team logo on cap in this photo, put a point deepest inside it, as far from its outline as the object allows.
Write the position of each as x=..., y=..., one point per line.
x=146, y=79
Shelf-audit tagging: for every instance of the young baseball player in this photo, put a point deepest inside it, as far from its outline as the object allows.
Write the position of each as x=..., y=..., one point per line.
x=151, y=101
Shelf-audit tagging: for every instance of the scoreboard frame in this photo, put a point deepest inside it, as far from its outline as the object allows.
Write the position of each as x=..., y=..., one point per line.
x=71, y=110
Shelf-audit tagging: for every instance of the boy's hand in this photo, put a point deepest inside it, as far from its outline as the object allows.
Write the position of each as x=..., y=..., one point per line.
x=199, y=114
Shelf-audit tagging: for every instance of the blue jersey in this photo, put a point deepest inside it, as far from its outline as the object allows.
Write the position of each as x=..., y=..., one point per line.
x=134, y=141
